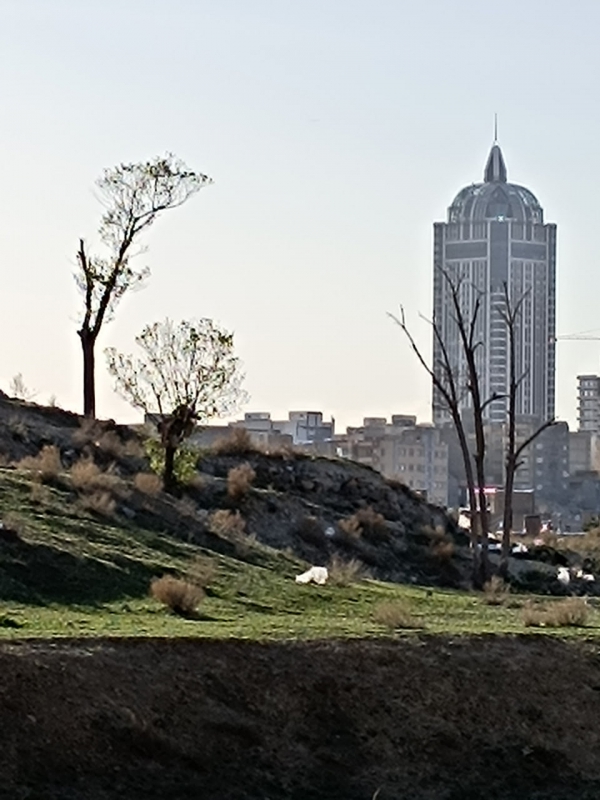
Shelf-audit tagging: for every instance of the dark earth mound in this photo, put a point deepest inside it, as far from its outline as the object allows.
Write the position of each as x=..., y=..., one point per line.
x=421, y=718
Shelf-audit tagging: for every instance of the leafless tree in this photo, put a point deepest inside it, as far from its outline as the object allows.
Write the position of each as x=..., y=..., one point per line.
x=445, y=377
x=188, y=373
x=510, y=313
x=133, y=195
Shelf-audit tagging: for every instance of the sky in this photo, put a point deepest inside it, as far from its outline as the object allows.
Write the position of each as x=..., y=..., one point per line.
x=336, y=133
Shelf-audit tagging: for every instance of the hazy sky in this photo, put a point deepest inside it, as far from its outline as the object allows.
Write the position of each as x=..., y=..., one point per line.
x=336, y=131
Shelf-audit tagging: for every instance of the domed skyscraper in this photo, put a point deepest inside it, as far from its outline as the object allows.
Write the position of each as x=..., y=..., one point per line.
x=495, y=236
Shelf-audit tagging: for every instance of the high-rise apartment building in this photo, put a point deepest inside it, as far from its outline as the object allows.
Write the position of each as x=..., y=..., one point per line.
x=495, y=236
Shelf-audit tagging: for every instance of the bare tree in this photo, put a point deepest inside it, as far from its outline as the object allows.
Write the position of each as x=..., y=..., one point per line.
x=188, y=373
x=446, y=379
x=134, y=195
x=510, y=313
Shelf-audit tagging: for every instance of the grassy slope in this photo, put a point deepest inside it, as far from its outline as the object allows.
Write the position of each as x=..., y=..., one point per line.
x=74, y=574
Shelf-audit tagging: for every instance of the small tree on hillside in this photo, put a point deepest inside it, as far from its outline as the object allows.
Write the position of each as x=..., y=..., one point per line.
x=188, y=373
x=134, y=195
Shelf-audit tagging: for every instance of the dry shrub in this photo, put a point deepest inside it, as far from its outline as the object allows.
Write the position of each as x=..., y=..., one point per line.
x=87, y=432
x=495, y=591
x=227, y=524
x=570, y=612
x=350, y=527
x=46, y=465
x=86, y=476
x=39, y=493
x=237, y=443
x=181, y=596
x=101, y=503
x=203, y=571
x=14, y=522
x=394, y=614
x=239, y=481
x=365, y=522
x=343, y=573
x=148, y=483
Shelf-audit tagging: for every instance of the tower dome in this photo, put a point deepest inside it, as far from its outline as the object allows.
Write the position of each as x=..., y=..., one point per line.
x=495, y=198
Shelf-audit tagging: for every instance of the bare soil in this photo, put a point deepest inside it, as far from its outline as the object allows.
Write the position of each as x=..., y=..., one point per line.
x=423, y=717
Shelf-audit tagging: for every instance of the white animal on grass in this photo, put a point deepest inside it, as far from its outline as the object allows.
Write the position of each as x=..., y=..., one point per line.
x=564, y=576
x=317, y=575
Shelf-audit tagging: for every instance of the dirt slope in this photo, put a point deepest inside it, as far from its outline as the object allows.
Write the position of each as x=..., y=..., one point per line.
x=420, y=718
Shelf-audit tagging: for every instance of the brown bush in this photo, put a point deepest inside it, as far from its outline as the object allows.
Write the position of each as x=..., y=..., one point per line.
x=186, y=507
x=180, y=596
x=148, y=483
x=46, y=465
x=239, y=481
x=237, y=443
x=350, y=527
x=365, y=522
x=495, y=591
x=394, y=614
x=86, y=476
x=39, y=493
x=88, y=431
x=570, y=612
x=227, y=524
x=343, y=573
x=99, y=502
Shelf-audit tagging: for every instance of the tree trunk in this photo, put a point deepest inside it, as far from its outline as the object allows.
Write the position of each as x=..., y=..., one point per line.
x=169, y=472
x=88, y=344
x=482, y=504
x=507, y=521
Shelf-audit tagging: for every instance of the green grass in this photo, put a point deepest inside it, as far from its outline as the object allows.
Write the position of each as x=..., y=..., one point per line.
x=74, y=574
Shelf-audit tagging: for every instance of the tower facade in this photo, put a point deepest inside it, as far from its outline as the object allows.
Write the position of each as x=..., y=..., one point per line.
x=495, y=237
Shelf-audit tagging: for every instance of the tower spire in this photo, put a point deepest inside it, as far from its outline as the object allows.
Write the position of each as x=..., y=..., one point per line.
x=495, y=128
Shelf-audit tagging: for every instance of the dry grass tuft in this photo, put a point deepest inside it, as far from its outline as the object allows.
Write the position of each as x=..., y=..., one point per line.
x=86, y=476
x=181, y=596
x=186, y=507
x=237, y=443
x=46, y=465
x=570, y=612
x=227, y=524
x=365, y=522
x=495, y=591
x=39, y=493
x=101, y=503
x=344, y=573
x=239, y=481
x=395, y=614
x=148, y=483
x=202, y=571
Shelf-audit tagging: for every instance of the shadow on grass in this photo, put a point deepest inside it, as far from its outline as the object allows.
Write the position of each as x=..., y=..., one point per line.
x=39, y=574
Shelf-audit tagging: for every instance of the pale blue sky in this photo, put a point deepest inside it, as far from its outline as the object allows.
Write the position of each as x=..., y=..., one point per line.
x=336, y=132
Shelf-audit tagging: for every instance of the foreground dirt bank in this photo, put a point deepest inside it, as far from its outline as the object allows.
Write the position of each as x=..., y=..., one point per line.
x=421, y=718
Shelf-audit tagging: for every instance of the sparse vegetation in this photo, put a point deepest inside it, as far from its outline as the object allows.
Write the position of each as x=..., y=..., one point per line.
x=86, y=476
x=228, y=524
x=148, y=483
x=395, y=614
x=239, y=481
x=46, y=466
x=345, y=573
x=495, y=591
x=99, y=502
x=182, y=597
x=569, y=612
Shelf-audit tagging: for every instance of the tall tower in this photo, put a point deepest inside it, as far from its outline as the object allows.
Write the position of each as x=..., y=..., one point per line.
x=495, y=236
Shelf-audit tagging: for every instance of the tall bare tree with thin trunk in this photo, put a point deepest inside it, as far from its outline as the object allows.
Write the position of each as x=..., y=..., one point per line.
x=445, y=375
x=134, y=195
x=510, y=313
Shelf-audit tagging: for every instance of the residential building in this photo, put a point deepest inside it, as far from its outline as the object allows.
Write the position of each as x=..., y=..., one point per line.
x=495, y=236
x=588, y=403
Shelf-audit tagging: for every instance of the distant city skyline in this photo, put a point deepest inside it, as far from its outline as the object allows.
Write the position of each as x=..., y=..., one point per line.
x=335, y=133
